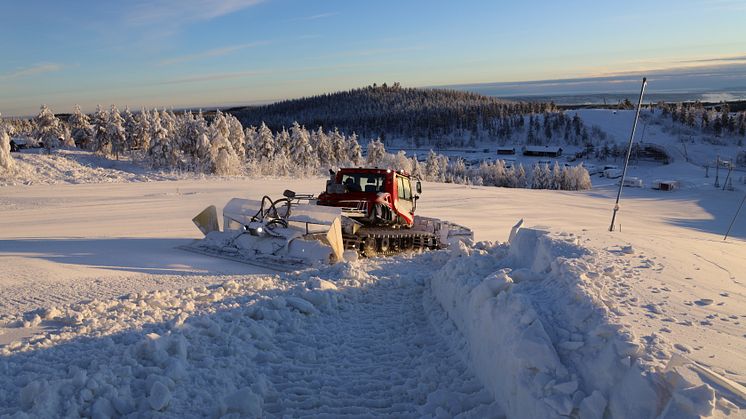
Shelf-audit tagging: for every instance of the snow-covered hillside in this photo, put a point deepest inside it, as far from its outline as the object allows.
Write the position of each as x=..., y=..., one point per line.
x=100, y=315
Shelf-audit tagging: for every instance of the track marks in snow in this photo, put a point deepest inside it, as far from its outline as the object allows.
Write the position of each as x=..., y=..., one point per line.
x=376, y=357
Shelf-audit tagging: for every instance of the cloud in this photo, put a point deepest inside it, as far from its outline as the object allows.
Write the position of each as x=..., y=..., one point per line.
x=217, y=52
x=32, y=71
x=717, y=59
x=180, y=12
x=314, y=17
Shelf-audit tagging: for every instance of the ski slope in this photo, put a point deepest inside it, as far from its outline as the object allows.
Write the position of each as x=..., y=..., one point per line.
x=92, y=269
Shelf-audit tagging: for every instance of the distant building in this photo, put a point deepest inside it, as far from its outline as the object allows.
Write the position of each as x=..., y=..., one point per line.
x=665, y=185
x=545, y=151
x=506, y=150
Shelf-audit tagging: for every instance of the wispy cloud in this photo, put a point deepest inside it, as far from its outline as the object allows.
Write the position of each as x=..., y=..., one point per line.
x=717, y=59
x=178, y=12
x=217, y=52
x=314, y=17
x=32, y=71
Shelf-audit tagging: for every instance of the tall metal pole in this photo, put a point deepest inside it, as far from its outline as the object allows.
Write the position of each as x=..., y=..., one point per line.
x=629, y=150
x=734, y=218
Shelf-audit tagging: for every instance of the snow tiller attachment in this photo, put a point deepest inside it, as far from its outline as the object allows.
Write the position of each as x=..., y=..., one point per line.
x=283, y=234
x=366, y=212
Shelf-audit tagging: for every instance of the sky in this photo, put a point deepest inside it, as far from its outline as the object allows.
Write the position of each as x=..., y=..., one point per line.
x=205, y=53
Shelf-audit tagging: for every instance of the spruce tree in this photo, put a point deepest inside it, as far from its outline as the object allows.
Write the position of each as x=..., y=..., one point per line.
x=265, y=143
x=143, y=130
x=130, y=128
x=301, y=152
x=7, y=164
x=236, y=136
x=251, y=136
x=100, y=122
x=115, y=132
x=354, y=151
x=162, y=153
x=224, y=157
x=80, y=128
x=376, y=153
x=48, y=128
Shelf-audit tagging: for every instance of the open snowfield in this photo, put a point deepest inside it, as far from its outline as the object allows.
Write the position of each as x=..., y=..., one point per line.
x=100, y=315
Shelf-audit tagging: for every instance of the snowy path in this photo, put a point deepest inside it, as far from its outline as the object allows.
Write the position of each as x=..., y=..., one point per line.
x=378, y=357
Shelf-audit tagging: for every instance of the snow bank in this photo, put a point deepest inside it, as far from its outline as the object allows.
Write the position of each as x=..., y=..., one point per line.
x=188, y=352
x=541, y=334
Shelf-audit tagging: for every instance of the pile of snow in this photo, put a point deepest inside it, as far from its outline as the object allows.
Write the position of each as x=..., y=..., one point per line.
x=539, y=320
x=190, y=351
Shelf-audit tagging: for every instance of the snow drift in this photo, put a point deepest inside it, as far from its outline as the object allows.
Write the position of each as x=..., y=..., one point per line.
x=536, y=317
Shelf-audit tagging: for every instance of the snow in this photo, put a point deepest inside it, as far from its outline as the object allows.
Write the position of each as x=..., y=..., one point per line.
x=101, y=316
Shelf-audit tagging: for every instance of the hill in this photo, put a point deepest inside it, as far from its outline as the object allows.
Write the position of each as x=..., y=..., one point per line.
x=418, y=115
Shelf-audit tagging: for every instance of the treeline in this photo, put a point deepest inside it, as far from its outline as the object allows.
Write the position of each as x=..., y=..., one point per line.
x=221, y=145
x=439, y=168
x=716, y=121
x=424, y=117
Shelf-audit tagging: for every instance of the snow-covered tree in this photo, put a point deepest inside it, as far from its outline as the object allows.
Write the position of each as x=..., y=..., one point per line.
x=556, y=179
x=67, y=137
x=251, y=136
x=236, y=136
x=265, y=143
x=301, y=152
x=339, y=147
x=583, y=178
x=130, y=128
x=202, y=161
x=100, y=122
x=432, y=167
x=224, y=158
x=416, y=168
x=354, y=151
x=376, y=153
x=141, y=136
x=539, y=177
x=80, y=128
x=282, y=143
x=162, y=152
x=7, y=164
x=520, y=177
x=324, y=148
x=399, y=161
x=115, y=132
x=48, y=128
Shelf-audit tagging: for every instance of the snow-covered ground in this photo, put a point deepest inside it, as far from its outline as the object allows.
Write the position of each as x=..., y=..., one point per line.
x=101, y=315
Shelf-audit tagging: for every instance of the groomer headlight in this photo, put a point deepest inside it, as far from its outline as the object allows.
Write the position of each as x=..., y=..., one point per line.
x=256, y=229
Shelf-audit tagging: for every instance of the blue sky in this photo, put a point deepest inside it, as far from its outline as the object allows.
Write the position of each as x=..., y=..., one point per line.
x=177, y=53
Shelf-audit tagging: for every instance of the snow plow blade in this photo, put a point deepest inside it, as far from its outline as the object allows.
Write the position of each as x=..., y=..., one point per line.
x=280, y=235
x=207, y=220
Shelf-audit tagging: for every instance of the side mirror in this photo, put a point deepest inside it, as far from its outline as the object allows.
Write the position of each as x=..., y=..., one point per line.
x=419, y=187
x=288, y=194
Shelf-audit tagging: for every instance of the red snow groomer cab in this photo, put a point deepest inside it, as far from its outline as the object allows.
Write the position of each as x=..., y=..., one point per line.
x=374, y=197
